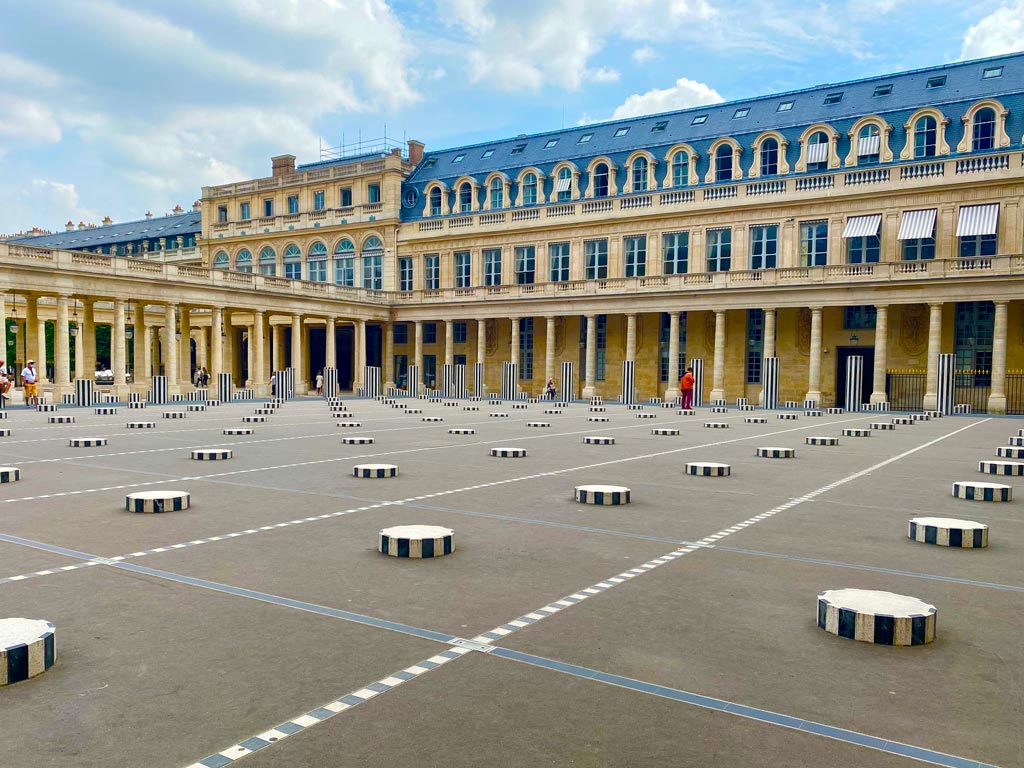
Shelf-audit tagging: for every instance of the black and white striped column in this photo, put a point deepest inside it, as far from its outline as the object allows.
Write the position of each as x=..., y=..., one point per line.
x=289, y=390
x=158, y=392
x=946, y=389
x=85, y=392
x=459, y=382
x=770, y=382
x=628, y=382
x=478, y=379
x=854, y=383
x=224, y=386
x=509, y=378
x=416, y=541
x=280, y=385
x=330, y=382
x=568, y=382
x=372, y=381
x=412, y=385
x=698, y=381
x=871, y=616
x=28, y=647
x=447, y=381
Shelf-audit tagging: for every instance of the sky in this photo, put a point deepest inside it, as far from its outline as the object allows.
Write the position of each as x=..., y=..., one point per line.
x=116, y=108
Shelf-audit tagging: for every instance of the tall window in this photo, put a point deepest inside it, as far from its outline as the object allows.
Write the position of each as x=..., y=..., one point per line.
x=723, y=163
x=925, y=137
x=639, y=178
x=222, y=214
x=814, y=243
x=401, y=331
x=817, y=151
x=919, y=249
x=268, y=261
x=373, y=193
x=525, y=348
x=432, y=272
x=221, y=261
x=984, y=133
x=863, y=250
x=675, y=252
x=869, y=145
x=719, y=250
x=635, y=252
x=595, y=255
x=430, y=333
x=243, y=262
x=525, y=258
x=345, y=197
x=316, y=263
x=769, y=157
x=975, y=327
x=860, y=318
x=243, y=212
x=492, y=266
x=318, y=200
x=978, y=245
x=293, y=262
x=558, y=257
x=755, y=345
x=465, y=197
x=459, y=332
x=563, y=186
x=268, y=207
x=601, y=180
x=530, y=189
x=430, y=371
x=435, y=201
x=681, y=168
x=293, y=204
x=764, y=246
x=405, y=273
x=497, y=193
x=345, y=263
x=373, y=264
x=463, y=267
x=663, y=344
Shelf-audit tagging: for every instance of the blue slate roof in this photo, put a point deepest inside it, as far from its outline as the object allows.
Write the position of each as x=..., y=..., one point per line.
x=127, y=232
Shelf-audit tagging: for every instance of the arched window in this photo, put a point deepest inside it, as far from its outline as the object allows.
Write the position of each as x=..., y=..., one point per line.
x=769, y=157
x=221, y=261
x=465, y=197
x=817, y=151
x=373, y=244
x=530, y=189
x=268, y=261
x=345, y=263
x=681, y=168
x=924, y=137
x=723, y=163
x=497, y=193
x=373, y=264
x=564, y=185
x=601, y=180
x=243, y=262
x=869, y=145
x=639, y=174
x=984, y=134
x=316, y=263
x=293, y=262
x=435, y=201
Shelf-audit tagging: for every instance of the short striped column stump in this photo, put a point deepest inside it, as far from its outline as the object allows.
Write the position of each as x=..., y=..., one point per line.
x=871, y=616
x=646, y=415
x=209, y=404
x=28, y=647
x=471, y=407
x=498, y=415
x=136, y=405
x=552, y=411
x=350, y=424
x=634, y=407
x=920, y=417
x=357, y=440
x=1020, y=433
x=856, y=432
x=597, y=409
x=598, y=440
x=254, y=419
x=5, y=433
x=948, y=532
x=776, y=453
x=1007, y=468
x=174, y=414
x=934, y=414
x=755, y=420
x=388, y=400
x=686, y=412
x=814, y=413
x=903, y=421
x=1010, y=452
x=46, y=407
x=519, y=406
x=211, y=454
x=197, y=407
x=238, y=431
x=105, y=410
x=461, y=431
x=157, y=501
x=140, y=425
x=746, y=407
x=708, y=469
x=60, y=419
x=598, y=419
x=344, y=415
x=821, y=440
x=10, y=474
x=716, y=425
x=86, y=442
x=413, y=411
x=450, y=403
x=970, y=491
x=665, y=431
x=339, y=408
x=1018, y=441
x=835, y=411
x=416, y=541
x=719, y=409
x=508, y=453
x=3, y=415
x=432, y=419
x=434, y=400
x=375, y=471
x=602, y=495
x=882, y=425
x=539, y=424
x=788, y=416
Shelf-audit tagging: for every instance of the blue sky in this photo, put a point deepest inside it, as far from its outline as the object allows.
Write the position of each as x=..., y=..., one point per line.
x=110, y=107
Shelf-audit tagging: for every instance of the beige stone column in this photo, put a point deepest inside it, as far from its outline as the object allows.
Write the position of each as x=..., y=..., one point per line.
x=481, y=353
x=140, y=371
x=931, y=388
x=513, y=350
x=88, y=336
x=631, y=337
x=185, y=346
x=3, y=332
x=258, y=344
x=301, y=373
x=330, y=347
x=61, y=351
x=360, y=350
x=118, y=345
x=31, y=331
x=449, y=342
x=41, y=367
x=203, y=347
x=768, y=346
x=878, y=394
x=549, y=349
x=389, y=355
x=997, y=395
x=277, y=344
x=672, y=390
x=718, y=370
x=216, y=366
x=814, y=366
x=170, y=347
x=79, y=371
x=589, y=389
x=418, y=352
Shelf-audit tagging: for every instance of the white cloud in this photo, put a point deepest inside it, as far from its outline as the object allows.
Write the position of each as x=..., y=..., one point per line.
x=603, y=75
x=1002, y=31
x=27, y=122
x=685, y=93
x=645, y=54
x=26, y=73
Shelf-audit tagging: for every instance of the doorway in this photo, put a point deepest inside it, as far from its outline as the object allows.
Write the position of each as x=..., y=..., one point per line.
x=867, y=374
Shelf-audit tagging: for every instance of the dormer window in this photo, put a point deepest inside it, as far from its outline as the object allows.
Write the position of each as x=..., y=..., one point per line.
x=991, y=72
x=459, y=158
x=586, y=137
x=834, y=98
x=550, y=143
x=936, y=82
x=785, y=106
x=699, y=120
x=487, y=154
x=659, y=126
x=518, y=149
x=883, y=90
x=620, y=132
x=740, y=113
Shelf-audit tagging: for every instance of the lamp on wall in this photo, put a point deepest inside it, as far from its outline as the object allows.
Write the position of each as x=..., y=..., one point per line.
x=177, y=324
x=129, y=331
x=854, y=338
x=74, y=319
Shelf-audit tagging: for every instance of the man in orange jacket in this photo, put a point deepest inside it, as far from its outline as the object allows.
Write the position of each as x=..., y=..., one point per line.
x=686, y=388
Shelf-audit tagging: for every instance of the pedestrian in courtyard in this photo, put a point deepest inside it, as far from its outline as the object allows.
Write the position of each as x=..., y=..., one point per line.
x=28, y=380
x=205, y=382
x=5, y=382
x=686, y=389
x=549, y=390
x=320, y=383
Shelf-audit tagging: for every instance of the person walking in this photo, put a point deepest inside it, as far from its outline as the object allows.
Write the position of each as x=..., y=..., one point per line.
x=28, y=380
x=320, y=383
x=549, y=390
x=5, y=383
x=205, y=381
x=686, y=389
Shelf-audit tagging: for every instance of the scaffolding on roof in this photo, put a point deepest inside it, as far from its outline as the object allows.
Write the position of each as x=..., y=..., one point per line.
x=381, y=145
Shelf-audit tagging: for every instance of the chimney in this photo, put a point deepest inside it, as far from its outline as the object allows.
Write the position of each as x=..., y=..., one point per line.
x=149, y=215
x=415, y=151
x=107, y=221
x=282, y=165
x=396, y=152
x=197, y=206
x=81, y=225
x=70, y=226
x=178, y=209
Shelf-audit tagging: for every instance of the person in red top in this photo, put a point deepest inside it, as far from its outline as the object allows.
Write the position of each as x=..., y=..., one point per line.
x=686, y=389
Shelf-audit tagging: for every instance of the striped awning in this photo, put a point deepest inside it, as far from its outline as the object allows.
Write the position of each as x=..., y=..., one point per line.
x=869, y=145
x=563, y=185
x=817, y=153
x=372, y=252
x=862, y=226
x=978, y=220
x=917, y=224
